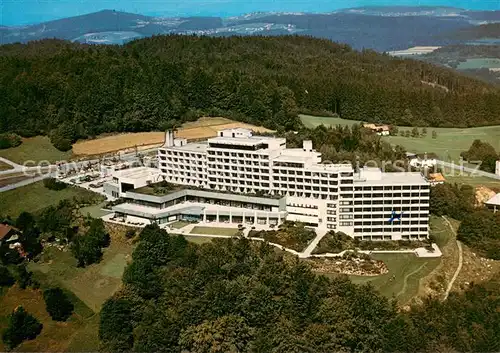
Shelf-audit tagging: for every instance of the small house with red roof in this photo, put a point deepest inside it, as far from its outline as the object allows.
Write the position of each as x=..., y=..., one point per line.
x=9, y=235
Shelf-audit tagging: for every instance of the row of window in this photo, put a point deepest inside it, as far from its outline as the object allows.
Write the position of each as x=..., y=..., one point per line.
x=392, y=230
x=391, y=187
x=174, y=168
x=393, y=195
x=184, y=161
x=184, y=174
x=212, y=176
x=380, y=223
x=314, y=207
x=388, y=215
x=393, y=202
x=239, y=182
x=306, y=187
x=345, y=224
x=390, y=209
x=181, y=154
x=238, y=154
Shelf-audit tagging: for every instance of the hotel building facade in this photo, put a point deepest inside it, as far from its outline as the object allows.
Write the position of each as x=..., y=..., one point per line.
x=249, y=179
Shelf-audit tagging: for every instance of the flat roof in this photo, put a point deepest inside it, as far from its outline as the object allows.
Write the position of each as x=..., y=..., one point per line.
x=191, y=208
x=404, y=178
x=190, y=147
x=248, y=141
x=495, y=200
x=136, y=173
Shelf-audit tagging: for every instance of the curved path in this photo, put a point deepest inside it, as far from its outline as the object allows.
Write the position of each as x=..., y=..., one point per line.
x=460, y=261
x=405, y=280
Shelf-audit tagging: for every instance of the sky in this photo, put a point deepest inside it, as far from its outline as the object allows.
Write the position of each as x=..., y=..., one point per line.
x=21, y=12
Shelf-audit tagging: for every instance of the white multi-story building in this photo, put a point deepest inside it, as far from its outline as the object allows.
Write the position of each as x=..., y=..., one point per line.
x=368, y=204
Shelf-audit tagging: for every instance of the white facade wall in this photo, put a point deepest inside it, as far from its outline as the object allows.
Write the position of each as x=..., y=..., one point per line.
x=329, y=197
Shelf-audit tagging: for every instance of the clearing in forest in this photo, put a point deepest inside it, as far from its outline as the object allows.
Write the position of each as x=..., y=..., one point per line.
x=447, y=144
x=202, y=129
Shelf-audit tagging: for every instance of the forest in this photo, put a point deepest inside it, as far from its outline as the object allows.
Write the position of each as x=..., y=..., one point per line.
x=232, y=295
x=71, y=91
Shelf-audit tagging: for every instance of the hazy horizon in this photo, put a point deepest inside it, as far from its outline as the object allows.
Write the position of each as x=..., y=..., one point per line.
x=23, y=12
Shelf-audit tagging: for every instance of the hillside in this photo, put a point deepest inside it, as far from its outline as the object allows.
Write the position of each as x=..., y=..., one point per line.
x=148, y=84
x=489, y=30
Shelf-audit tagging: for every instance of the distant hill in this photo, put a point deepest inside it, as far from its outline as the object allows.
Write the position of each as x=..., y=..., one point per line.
x=71, y=90
x=106, y=27
x=490, y=30
x=379, y=28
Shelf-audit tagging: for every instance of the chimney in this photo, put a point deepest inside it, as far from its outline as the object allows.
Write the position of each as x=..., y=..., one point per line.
x=307, y=145
x=169, y=138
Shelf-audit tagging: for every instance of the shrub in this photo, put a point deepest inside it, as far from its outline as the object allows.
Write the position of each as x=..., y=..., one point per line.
x=23, y=276
x=21, y=326
x=54, y=184
x=6, y=279
x=57, y=304
x=9, y=140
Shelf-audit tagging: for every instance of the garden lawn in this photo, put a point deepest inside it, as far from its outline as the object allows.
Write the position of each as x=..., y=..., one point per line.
x=95, y=211
x=92, y=284
x=179, y=224
x=407, y=270
x=35, y=149
x=215, y=231
x=34, y=197
x=199, y=240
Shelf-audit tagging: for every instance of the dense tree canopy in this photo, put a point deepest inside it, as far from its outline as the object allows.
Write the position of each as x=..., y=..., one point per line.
x=238, y=296
x=481, y=231
x=21, y=326
x=58, y=304
x=69, y=90
x=484, y=153
x=456, y=201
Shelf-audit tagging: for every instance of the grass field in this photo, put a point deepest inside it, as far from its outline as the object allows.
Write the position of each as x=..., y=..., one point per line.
x=179, y=224
x=4, y=166
x=407, y=270
x=35, y=149
x=201, y=129
x=450, y=142
x=441, y=231
x=87, y=288
x=312, y=121
x=215, y=231
x=55, y=336
x=93, y=284
x=95, y=211
x=198, y=240
x=475, y=181
x=35, y=197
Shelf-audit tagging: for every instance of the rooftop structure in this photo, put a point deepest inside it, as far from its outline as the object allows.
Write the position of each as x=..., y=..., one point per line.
x=494, y=203
x=382, y=130
x=436, y=178
x=130, y=179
